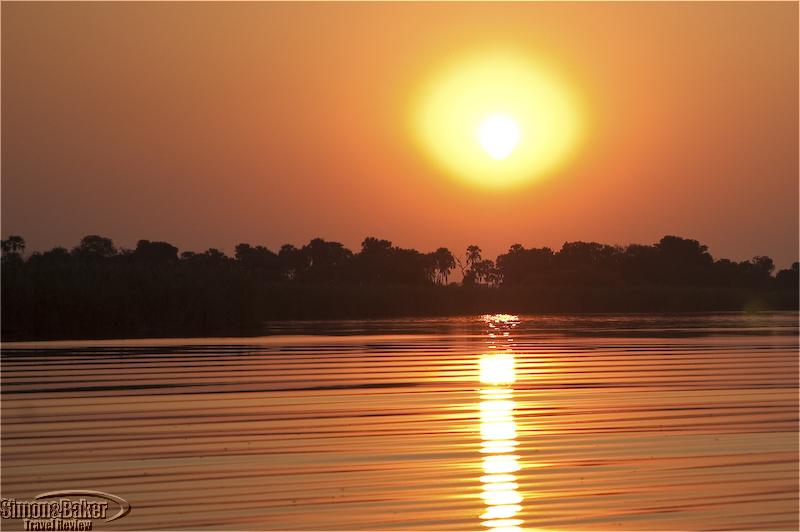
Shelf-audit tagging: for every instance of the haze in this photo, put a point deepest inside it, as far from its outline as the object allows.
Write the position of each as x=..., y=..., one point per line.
x=210, y=124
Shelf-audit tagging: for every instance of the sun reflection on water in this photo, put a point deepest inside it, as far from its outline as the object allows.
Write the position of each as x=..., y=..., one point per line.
x=498, y=428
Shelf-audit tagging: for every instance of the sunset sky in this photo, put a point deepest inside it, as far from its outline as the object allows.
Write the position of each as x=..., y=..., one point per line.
x=210, y=124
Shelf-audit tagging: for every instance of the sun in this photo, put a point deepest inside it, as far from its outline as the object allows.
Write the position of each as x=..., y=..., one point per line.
x=498, y=134
x=498, y=119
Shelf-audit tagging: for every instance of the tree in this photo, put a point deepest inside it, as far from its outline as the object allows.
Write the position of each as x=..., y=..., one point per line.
x=763, y=265
x=95, y=247
x=524, y=266
x=444, y=263
x=216, y=255
x=757, y=271
x=13, y=245
x=683, y=261
x=639, y=264
x=155, y=252
x=323, y=261
x=150, y=291
x=484, y=271
x=789, y=279
x=381, y=262
x=375, y=246
x=473, y=255
x=588, y=263
x=255, y=257
x=290, y=261
x=212, y=259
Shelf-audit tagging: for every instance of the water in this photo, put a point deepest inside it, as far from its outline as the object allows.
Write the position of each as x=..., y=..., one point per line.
x=564, y=423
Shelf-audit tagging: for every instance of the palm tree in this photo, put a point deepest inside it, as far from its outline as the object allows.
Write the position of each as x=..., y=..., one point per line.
x=445, y=262
x=473, y=256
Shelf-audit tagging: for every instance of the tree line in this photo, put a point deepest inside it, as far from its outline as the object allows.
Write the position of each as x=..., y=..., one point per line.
x=97, y=289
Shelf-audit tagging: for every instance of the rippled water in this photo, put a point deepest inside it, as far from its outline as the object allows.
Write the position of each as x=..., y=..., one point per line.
x=606, y=423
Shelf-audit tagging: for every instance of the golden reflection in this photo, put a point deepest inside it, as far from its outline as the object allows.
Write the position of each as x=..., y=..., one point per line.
x=498, y=428
x=497, y=368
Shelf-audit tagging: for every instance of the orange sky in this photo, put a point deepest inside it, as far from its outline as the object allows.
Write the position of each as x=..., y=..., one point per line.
x=216, y=123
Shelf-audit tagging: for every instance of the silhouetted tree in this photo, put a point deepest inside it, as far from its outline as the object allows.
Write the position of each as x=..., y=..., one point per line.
x=588, y=263
x=639, y=264
x=522, y=266
x=381, y=262
x=259, y=260
x=155, y=252
x=757, y=272
x=444, y=263
x=322, y=261
x=726, y=273
x=12, y=248
x=95, y=247
x=13, y=244
x=374, y=262
x=683, y=261
x=100, y=290
x=484, y=271
x=290, y=261
x=54, y=258
x=473, y=255
x=789, y=279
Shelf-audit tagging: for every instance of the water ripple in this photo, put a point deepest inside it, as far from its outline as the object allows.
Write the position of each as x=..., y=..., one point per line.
x=494, y=423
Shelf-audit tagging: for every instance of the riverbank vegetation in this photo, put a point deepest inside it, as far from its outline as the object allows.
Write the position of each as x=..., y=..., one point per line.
x=98, y=290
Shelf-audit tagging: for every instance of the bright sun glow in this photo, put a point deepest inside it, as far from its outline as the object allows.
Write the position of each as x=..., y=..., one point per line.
x=498, y=120
x=498, y=135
